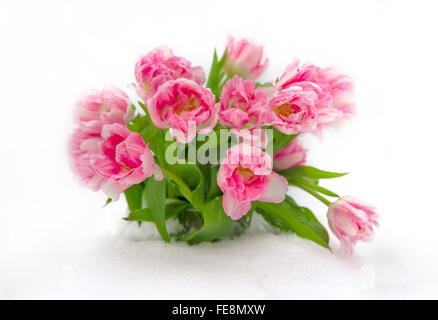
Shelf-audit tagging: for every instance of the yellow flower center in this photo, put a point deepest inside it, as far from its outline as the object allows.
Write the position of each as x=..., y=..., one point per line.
x=189, y=106
x=246, y=174
x=285, y=109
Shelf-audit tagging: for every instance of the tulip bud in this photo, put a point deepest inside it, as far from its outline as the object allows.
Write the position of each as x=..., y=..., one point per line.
x=244, y=59
x=351, y=220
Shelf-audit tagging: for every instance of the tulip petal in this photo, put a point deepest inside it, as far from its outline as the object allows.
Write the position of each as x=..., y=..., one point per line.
x=234, y=208
x=276, y=190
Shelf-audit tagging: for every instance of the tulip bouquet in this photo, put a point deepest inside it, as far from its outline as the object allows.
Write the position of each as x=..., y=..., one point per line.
x=211, y=157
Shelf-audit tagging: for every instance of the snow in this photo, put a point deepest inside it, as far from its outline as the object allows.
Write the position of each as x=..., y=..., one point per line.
x=121, y=260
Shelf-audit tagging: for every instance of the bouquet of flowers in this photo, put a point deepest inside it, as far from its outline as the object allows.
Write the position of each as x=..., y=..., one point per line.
x=211, y=157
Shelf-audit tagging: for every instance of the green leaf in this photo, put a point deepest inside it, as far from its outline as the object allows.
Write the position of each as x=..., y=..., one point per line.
x=199, y=194
x=216, y=75
x=213, y=71
x=133, y=196
x=188, y=172
x=312, y=185
x=152, y=135
x=138, y=123
x=183, y=187
x=266, y=84
x=279, y=139
x=298, y=219
x=143, y=107
x=190, y=180
x=107, y=202
x=172, y=190
x=158, y=144
x=155, y=196
x=309, y=173
x=206, y=173
x=216, y=223
x=191, y=174
x=223, y=58
x=214, y=190
x=273, y=221
x=145, y=214
x=149, y=132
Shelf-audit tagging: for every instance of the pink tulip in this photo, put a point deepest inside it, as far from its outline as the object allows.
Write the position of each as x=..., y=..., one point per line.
x=83, y=143
x=334, y=91
x=290, y=156
x=161, y=65
x=245, y=176
x=244, y=59
x=111, y=105
x=242, y=105
x=351, y=220
x=184, y=106
x=124, y=159
x=292, y=111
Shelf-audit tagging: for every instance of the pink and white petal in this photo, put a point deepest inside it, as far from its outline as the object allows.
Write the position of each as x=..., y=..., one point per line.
x=113, y=190
x=287, y=161
x=222, y=176
x=209, y=125
x=269, y=92
x=153, y=112
x=234, y=208
x=115, y=129
x=91, y=145
x=234, y=118
x=148, y=162
x=94, y=183
x=199, y=75
x=276, y=190
x=104, y=167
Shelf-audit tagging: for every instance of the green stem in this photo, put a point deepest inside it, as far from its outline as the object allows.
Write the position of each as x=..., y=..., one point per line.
x=314, y=187
x=143, y=106
x=223, y=81
x=313, y=193
x=181, y=184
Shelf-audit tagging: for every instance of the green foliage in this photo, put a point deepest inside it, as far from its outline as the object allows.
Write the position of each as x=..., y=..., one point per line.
x=107, y=202
x=173, y=191
x=216, y=76
x=213, y=190
x=139, y=123
x=309, y=172
x=279, y=139
x=289, y=216
x=143, y=107
x=307, y=178
x=155, y=195
x=266, y=84
x=133, y=196
x=273, y=221
x=216, y=223
x=145, y=214
x=312, y=185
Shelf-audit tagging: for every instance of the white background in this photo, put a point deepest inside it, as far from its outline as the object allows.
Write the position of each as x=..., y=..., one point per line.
x=57, y=241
